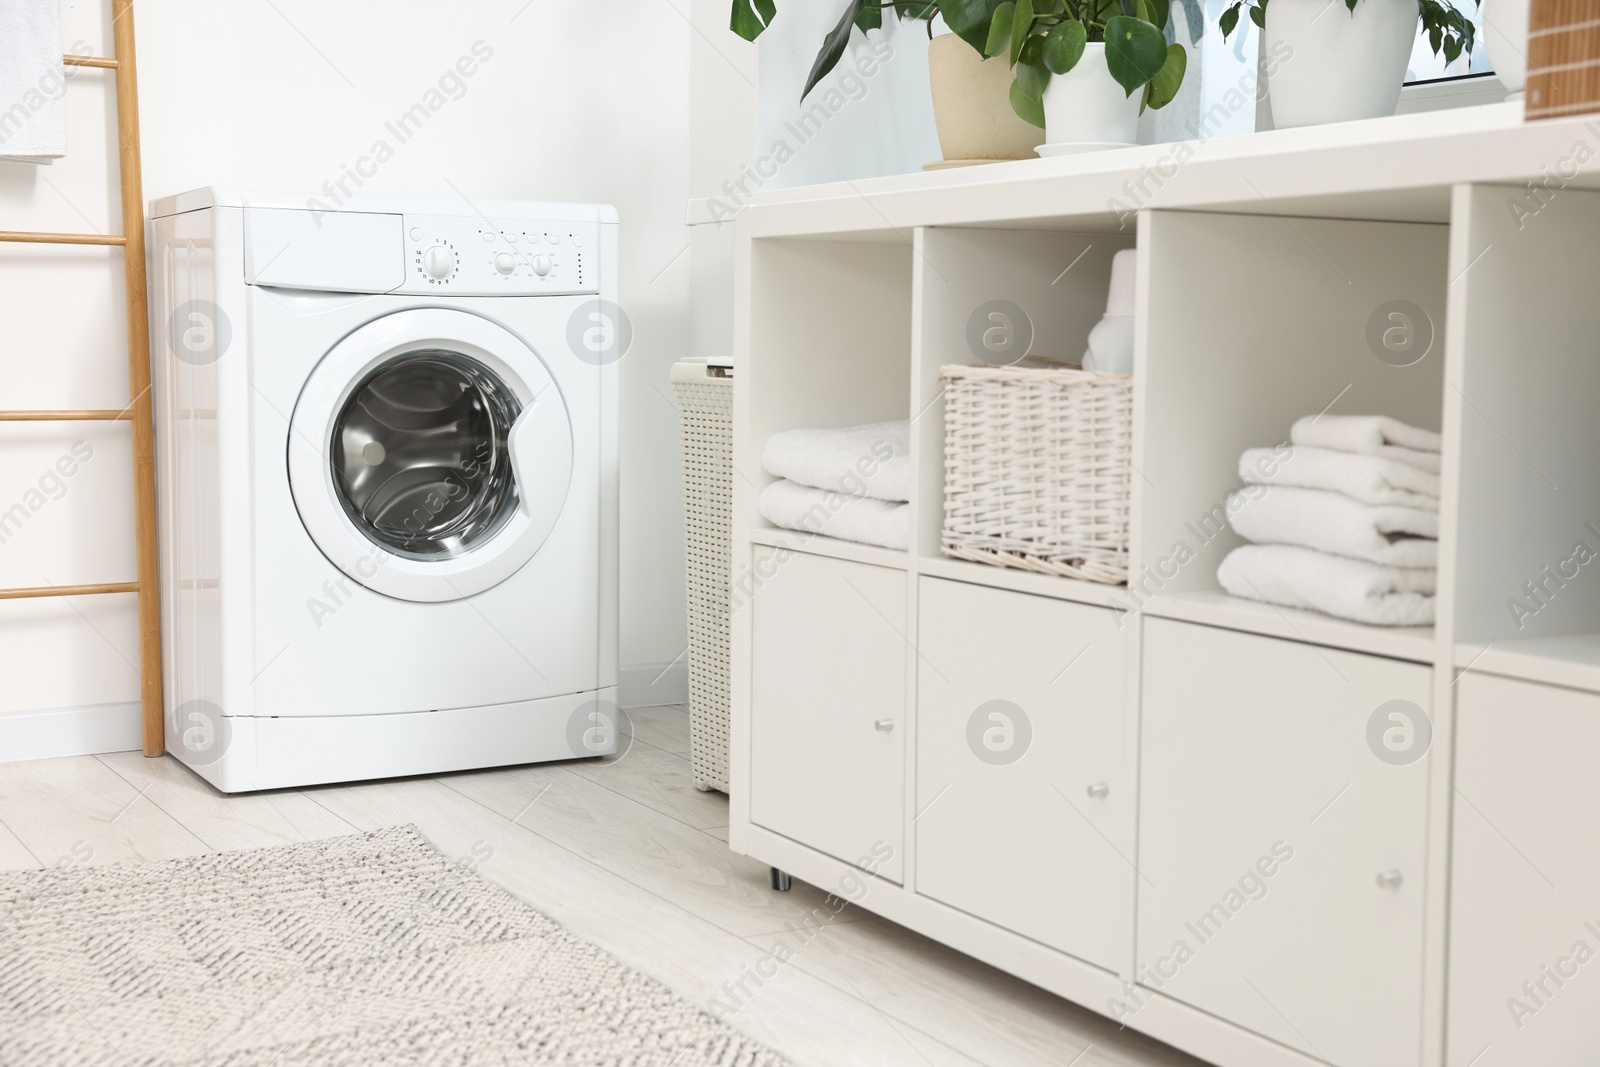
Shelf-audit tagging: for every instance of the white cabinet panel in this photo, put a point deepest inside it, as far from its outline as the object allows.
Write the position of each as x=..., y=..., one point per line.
x=828, y=706
x=1025, y=808
x=1267, y=822
x=1525, y=895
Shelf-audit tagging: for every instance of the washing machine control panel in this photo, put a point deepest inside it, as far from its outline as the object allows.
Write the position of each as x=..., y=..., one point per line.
x=500, y=257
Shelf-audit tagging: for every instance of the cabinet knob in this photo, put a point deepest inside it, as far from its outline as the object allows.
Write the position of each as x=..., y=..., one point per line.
x=1099, y=789
x=1390, y=879
x=884, y=724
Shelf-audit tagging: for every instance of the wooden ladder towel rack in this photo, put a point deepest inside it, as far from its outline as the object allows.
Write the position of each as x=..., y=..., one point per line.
x=138, y=411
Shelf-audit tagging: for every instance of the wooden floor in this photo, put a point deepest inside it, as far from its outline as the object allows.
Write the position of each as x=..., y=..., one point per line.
x=627, y=853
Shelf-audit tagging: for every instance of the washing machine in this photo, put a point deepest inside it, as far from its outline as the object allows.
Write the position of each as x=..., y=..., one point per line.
x=386, y=447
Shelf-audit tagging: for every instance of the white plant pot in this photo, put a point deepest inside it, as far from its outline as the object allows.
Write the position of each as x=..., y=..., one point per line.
x=1085, y=109
x=1505, y=37
x=1337, y=65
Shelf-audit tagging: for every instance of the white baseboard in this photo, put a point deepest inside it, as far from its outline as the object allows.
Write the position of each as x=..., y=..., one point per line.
x=56, y=732
x=30, y=735
x=653, y=684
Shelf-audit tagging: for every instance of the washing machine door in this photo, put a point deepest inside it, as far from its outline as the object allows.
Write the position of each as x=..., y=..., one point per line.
x=430, y=454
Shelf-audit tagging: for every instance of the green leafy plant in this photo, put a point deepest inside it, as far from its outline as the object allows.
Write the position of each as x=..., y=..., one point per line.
x=967, y=19
x=1042, y=38
x=1450, y=30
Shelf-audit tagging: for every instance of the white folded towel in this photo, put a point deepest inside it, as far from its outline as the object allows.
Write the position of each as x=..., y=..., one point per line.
x=1370, y=435
x=33, y=85
x=850, y=518
x=1346, y=588
x=872, y=460
x=1332, y=522
x=1369, y=479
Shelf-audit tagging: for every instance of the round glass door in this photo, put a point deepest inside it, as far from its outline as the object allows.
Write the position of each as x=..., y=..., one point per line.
x=430, y=454
x=420, y=457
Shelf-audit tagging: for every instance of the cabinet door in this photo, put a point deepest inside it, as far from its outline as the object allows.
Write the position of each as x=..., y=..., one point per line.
x=1525, y=892
x=828, y=706
x=1025, y=807
x=1282, y=839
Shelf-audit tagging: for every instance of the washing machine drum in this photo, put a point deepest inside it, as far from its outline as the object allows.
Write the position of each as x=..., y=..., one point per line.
x=430, y=454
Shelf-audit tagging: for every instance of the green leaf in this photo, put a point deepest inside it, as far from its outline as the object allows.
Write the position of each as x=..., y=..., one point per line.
x=1031, y=73
x=1155, y=12
x=1168, y=80
x=1135, y=51
x=1021, y=24
x=1063, y=46
x=969, y=20
x=1259, y=17
x=1000, y=29
x=1229, y=20
x=833, y=46
x=750, y=17
x=1026, y=107
x=869, y=18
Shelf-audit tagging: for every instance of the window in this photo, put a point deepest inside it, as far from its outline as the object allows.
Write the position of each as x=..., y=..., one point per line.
x=1427, y=67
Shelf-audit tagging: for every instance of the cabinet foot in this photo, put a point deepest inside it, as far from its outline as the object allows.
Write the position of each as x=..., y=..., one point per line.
x=781, y=882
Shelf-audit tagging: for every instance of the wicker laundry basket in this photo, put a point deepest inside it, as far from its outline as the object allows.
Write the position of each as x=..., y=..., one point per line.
x=1036, y=469
x=705, y=396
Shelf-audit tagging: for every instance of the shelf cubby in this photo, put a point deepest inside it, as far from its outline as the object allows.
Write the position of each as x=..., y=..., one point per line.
x=832, y=324
x=1058, y=279
x=1250, y=322
x=1522, y=386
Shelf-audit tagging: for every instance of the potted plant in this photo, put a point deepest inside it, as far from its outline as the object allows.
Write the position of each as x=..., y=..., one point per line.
x=1505, y=37
x=1349, y=65
x=1079, y=64
x=970, y=95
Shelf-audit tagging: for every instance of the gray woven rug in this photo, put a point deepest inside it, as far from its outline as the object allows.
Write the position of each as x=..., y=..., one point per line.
x=373, y=949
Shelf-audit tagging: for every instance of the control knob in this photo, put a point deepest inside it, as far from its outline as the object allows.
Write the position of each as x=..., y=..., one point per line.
x=505, y=263
x=543, y=265
x=439, y=262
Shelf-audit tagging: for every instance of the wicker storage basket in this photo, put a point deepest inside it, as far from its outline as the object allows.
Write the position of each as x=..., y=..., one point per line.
x=1036, y=469
x=705, y=395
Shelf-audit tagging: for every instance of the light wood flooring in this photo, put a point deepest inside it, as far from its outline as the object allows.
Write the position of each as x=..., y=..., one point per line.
x=627, y=853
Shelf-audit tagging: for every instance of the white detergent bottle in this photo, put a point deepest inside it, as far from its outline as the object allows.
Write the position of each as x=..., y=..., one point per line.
x=1111, y=341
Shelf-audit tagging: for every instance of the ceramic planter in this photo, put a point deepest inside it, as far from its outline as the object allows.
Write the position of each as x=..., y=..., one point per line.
x=1085, y=109
x=1505, y=37
x=1334, y=64
x=972, y=105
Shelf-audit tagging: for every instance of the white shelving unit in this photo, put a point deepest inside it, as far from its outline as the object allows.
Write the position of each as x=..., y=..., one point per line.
x=1181, y=743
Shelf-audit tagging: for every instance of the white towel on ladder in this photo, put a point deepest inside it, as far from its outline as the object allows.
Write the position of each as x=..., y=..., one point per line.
x=33, y=84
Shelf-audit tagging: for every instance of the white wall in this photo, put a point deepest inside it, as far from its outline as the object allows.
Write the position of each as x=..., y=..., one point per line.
x=723, y=114
x=585, y=101
x=872, y=115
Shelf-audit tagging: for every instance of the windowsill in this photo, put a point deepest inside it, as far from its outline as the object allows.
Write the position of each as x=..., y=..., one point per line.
x=1449, y=94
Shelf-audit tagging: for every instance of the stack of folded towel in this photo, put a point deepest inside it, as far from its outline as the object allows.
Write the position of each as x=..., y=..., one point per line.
x=1345, y=522
x=852, y=483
